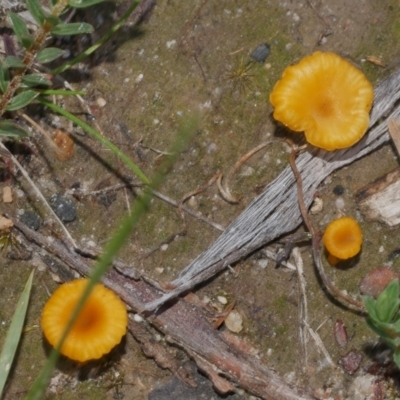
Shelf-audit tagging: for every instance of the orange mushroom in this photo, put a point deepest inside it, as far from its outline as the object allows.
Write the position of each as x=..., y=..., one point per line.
x=342, y=239
x=326, y=97
x=100, y=325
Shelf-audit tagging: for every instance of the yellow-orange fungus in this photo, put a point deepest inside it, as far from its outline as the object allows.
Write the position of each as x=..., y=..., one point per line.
x=99, y=327
x=325, y=97
x=343, y=238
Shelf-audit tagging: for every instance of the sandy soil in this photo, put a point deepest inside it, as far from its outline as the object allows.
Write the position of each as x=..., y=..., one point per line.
x=191, y=58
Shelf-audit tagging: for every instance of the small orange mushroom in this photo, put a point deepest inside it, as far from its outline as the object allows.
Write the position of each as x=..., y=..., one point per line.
x=342, y=239
x=100, y=325
x=327, y=98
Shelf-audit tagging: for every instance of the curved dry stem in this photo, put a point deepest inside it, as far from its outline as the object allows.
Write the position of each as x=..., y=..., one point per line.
x=224, y=186
x=342, y=297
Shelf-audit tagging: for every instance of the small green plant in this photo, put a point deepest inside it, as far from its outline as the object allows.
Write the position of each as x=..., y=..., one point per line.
x=384, y=317
x=20, y=85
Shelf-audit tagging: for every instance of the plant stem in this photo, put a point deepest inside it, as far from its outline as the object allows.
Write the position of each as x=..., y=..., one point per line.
x=29, y=58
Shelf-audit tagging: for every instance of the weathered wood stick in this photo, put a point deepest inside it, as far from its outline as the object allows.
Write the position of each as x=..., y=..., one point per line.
x=275, y=212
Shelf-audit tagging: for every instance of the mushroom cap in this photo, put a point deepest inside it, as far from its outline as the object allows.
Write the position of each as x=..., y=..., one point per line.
x=343, y=238
x=99, y=327
x=326, y=97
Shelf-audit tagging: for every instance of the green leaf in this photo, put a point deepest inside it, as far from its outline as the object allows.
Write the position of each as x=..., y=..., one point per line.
x=47, y=55
x=74, y=28
x=36, y=11
x=14, y=334
x=387, y=303
x=370, y=304
x=383, y=329
x=36, y=80
x=4, y=79
x=396, y=326
x=20, y=29
x=396, y=357
x=27, y=41
x=13, y=62
x=22, y=99
x=8, y=128
x=83, y=3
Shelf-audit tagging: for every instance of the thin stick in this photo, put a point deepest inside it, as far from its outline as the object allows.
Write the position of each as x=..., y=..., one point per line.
x=188, y=210
x=303, y=311
x=40, y=195
x=160, y=196
x=320, y=344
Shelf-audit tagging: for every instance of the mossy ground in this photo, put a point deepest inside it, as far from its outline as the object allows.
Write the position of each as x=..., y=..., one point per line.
x=153, y=78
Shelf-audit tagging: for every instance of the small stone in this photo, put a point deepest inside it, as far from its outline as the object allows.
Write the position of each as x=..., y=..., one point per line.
x=223, y=300
x=248, y=171
x=377, y=280
x=138, y=318
x=5, y=223
x=340, y=333
x=193, y=203
x=164, y=247
x=263, y=263
x=7, y=195
x=211, y=148
x=338, y=190
x=351, y=362
x=234, y=321
x=101, y=102
x=317, y=206
x=31, y=220
x=261, y=52
x=339, y=203
x=63, y=207
x=171, y=44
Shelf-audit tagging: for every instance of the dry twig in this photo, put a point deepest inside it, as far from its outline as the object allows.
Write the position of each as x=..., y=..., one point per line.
x=185, y=324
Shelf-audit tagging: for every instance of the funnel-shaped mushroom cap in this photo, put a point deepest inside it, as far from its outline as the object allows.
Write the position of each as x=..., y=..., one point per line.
x=343, y=238
x=326, y=97
x=100, y=326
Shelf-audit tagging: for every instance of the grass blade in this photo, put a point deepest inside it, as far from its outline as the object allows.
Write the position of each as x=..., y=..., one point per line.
x=14, y=333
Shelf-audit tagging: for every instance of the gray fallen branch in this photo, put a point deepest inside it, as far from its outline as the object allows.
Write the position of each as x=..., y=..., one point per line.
x=186, y=325
x=275, y=212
